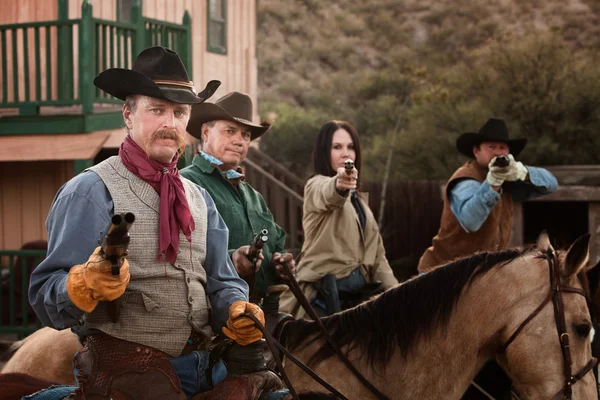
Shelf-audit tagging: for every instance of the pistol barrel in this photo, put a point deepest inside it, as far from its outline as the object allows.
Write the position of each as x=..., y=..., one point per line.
x=349, y=166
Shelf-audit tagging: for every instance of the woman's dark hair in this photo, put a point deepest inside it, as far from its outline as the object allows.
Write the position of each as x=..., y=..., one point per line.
x=322, y=149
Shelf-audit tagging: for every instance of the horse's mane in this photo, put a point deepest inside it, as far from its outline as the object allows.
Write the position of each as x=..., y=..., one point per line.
x=421, y=304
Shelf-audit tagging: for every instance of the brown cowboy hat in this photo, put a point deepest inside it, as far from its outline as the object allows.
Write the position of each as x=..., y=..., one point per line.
x=494, y=130
x=234, y=106
x=157, y=72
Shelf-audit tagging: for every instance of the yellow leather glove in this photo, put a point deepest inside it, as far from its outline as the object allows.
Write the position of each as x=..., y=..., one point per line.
x=92, y=282
x=242, y=330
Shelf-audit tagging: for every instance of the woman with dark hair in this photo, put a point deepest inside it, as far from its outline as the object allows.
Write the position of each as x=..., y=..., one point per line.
x=343, y=255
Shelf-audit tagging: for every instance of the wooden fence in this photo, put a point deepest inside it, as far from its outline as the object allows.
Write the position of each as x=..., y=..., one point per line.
x=16, y=315
x=412, y=211
x=411, y=219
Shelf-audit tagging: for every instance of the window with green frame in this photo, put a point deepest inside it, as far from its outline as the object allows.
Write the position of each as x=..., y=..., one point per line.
x=217, y=26
x=124, y=10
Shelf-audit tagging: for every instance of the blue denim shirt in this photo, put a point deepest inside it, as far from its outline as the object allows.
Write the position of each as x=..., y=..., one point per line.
x=80, y=212
x=471, y=201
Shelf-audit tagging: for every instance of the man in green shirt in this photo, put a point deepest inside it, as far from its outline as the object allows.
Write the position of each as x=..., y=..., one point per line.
x=226, y=129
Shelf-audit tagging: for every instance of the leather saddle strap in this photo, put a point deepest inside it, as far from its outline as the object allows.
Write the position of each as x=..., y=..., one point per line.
x=297, y=291
x=273, y=343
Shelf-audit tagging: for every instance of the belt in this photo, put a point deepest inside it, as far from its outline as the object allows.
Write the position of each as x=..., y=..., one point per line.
x=195, y=342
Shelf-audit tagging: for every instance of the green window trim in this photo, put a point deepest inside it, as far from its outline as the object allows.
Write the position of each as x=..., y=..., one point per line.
x=216, y=26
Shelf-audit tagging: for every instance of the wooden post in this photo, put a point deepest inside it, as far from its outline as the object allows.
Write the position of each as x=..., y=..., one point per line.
x=388, y=165
x=65, y=54
x=140, y=28
x=186, y=49
x=87, y=56
x=516, y=236
x=594, y=229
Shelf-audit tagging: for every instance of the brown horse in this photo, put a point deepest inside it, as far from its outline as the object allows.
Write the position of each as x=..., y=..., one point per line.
x=427, y=338
x=46, y=354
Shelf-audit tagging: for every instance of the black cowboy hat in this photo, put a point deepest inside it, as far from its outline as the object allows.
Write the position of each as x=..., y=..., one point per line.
x=234, y=106
x=157, y=72
x=494, y=130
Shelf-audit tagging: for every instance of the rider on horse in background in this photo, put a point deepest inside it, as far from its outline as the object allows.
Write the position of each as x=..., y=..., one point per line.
x=478, y=207
x=177, y=287
x=479, y=196
x=225, y=129
x=342, y=261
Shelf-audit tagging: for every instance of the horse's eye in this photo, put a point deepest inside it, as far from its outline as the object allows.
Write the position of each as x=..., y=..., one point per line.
x=583, y=330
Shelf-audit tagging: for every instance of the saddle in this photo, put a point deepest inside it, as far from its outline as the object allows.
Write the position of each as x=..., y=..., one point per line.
x=333, y=300
x=274, y=320
x=111, y=368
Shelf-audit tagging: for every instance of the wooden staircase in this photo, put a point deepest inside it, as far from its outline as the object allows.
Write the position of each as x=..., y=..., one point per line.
x=282, y=191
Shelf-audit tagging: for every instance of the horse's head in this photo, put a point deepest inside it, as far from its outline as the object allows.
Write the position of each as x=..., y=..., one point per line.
x=547, y=350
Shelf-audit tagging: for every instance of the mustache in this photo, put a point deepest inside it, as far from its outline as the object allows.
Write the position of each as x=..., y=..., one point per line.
x=167, y=134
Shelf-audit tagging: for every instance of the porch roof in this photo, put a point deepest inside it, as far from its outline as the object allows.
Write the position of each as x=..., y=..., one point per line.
x=77, y=146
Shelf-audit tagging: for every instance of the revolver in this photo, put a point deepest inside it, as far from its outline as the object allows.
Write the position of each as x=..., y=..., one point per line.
x=114, y=249
x=257, y=244
x=349, y=166
x=115, y=244
x=501, y=161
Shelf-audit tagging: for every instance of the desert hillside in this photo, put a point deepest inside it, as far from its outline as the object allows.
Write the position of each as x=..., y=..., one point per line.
x=432, y=69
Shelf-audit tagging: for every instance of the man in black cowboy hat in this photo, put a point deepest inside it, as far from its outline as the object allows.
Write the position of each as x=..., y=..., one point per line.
x=177, y=285
x=226, y=129
x=478, y=201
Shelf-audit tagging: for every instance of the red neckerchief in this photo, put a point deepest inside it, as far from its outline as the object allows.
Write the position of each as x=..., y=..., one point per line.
x=174, y=209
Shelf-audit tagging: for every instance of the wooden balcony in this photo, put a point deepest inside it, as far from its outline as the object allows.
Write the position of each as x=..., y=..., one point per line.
x=47, y=68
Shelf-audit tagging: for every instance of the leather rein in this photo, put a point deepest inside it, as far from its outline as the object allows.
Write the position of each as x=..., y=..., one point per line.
x=297, y=291
x=556, y=296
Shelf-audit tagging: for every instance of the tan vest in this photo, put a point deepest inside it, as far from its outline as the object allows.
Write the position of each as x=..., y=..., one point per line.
x=163, y=301
x=452, y=241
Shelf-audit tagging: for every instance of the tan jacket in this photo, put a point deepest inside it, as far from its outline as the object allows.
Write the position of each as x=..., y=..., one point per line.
x=335, y=243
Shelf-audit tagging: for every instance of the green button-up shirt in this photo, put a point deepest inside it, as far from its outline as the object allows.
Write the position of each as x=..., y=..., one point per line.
x=245, y=213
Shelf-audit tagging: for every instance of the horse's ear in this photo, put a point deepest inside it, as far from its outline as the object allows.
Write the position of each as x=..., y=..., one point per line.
x=543, y=241
x=577, y=256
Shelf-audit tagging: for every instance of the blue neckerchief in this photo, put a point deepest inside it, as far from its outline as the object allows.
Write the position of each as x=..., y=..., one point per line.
x=229, y=174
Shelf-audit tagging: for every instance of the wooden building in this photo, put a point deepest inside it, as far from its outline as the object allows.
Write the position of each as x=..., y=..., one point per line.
x=571, y=211
x=54, y=123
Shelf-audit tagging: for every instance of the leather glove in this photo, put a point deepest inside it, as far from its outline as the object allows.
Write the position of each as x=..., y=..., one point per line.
x=92, y=282
x=495, y=175
x=515, y=170
x=242, y=330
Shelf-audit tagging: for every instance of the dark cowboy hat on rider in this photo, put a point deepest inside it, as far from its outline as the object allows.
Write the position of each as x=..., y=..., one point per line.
x=157, y=72
x=234, y=106
x=494, y=130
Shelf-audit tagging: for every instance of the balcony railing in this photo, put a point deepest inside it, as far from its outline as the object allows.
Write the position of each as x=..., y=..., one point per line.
x=53, y=63
x=16, y=315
